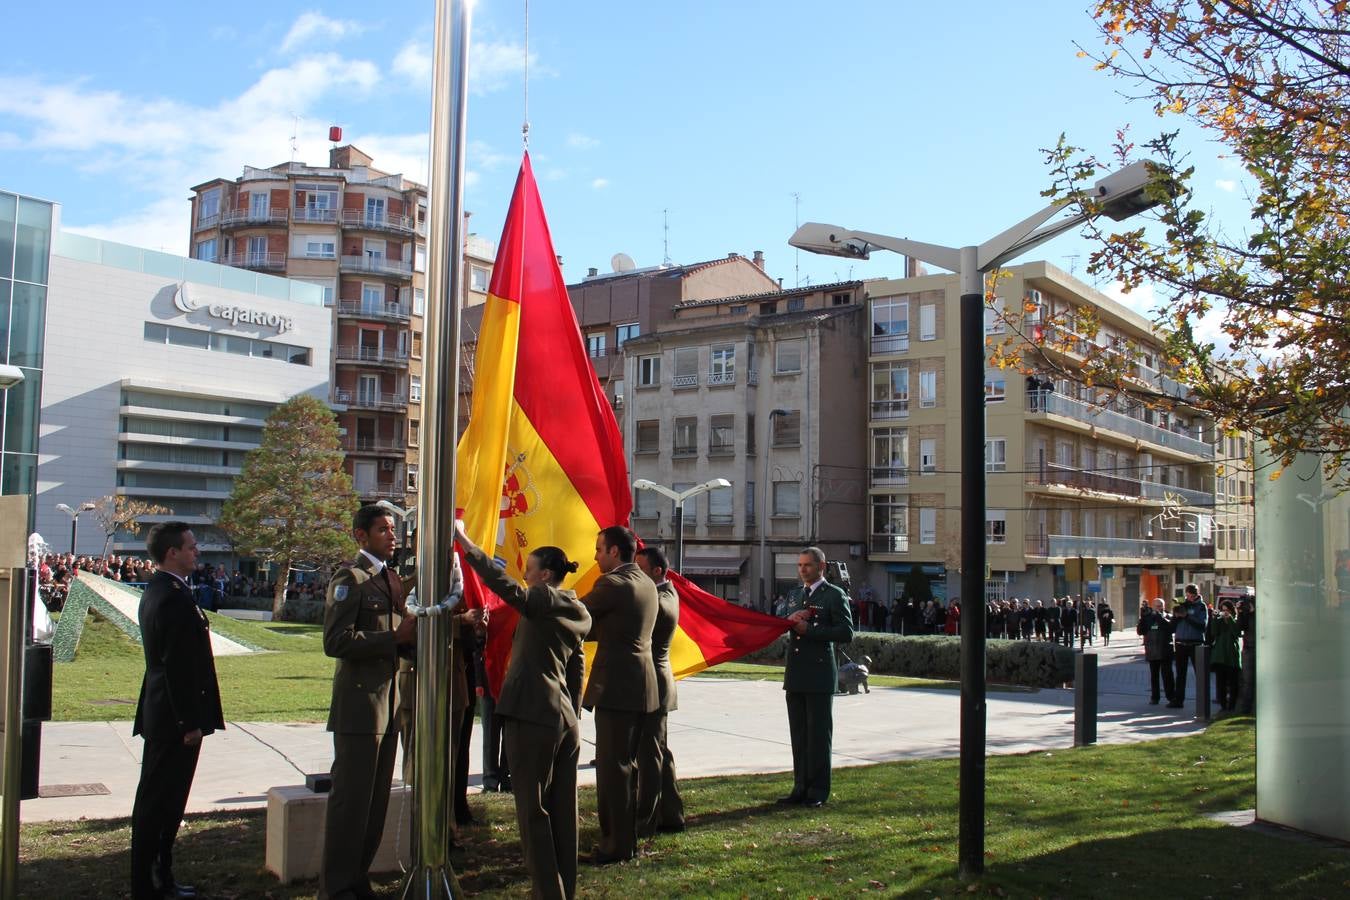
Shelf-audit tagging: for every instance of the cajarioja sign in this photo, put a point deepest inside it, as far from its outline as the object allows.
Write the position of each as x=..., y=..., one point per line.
x=235, y=315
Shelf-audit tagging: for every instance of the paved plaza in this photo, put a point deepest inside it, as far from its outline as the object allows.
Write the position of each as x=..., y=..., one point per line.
x=723, y=727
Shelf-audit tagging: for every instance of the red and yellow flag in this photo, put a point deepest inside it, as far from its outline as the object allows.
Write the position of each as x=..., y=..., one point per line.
x=713, y=631
x=541, y=461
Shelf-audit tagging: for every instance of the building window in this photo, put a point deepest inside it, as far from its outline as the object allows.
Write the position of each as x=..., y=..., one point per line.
x=996, y=455
x=208, y=208
x=415, y=389
x=749, y=503
x=787, y=498
x=796, y=304
x=686, y=367
x=688, y=509
x=414, y=432
x=723, y=364
x=890, y=455
x=890, y=523
x=320, y=249
x=927, y=525
x=595, y=344
x=412, y=477
x=768, y=309
x=478, y=279
x=648, y=438
x=841, y=299
x=995, y=387
x=649, y=371
x=890, y=391
x=996, y=526
x=738, y=309
x=927, y=322
x=372, y=298
x=420, y=259
x=417, y=344
x=787, y=357
x=890, y=325
x=207, y=250
x=257, y=251
x=750, y=433
x=258, y=205
x=616, y=388
x=645, y=504
x=315, y=203
x=197, y=339
x=722, y=435
x=994, y=321
x=419, y=302
x=686, y=436
x=787, y=429
x=625, y=333
x=928, y=389
x=720, y=508
x=928, y=456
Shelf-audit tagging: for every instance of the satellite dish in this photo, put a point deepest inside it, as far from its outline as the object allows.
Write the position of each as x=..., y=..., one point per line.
x=622, y=262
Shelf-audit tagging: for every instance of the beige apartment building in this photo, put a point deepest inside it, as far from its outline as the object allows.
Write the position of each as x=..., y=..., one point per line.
x=766, y=390
x=1072, y=471
x=1234, y=512
x=360, y=234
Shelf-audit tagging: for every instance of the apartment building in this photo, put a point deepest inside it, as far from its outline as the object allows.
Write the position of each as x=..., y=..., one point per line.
x=1234, y=511
x=1072, y=470
x=766, y=390
x=360, y=235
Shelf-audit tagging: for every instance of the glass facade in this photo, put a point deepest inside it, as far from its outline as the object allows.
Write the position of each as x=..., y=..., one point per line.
x=25, y=252
x=1302, y=649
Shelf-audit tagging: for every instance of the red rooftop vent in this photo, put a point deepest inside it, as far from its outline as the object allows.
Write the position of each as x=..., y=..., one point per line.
x=335, y=133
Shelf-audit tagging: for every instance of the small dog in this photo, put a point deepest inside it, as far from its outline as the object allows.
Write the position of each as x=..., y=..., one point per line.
x=853, y=675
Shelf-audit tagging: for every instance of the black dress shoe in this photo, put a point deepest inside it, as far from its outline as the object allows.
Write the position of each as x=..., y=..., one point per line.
x=1176, y=704
x=178, y=892
x=604, y=859
x=789, y=800
x=813, y=804
x=673, y=828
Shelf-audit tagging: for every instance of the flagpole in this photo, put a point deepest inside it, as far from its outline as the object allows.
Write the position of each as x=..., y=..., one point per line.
x=432, y=877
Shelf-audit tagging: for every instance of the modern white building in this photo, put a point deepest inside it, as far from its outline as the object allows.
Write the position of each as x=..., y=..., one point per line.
x=160, y=372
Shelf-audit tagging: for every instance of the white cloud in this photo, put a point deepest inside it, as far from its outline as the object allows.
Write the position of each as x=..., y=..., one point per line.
x=492, y=64
x=1226, y=184
x=1142, y=299
x=312, y=26
x=578, y=141
x=600, y=183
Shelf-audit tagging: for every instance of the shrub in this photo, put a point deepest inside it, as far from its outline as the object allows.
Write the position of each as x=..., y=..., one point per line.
x=1030, y=663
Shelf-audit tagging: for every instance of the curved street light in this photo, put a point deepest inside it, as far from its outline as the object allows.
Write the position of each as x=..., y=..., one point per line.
x=74, y=519
x=642, y=484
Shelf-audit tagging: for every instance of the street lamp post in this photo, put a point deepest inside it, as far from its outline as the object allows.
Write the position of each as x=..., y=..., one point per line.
x=766, y=576
x=74, y=520
x=679, y=497
x=1119, y=195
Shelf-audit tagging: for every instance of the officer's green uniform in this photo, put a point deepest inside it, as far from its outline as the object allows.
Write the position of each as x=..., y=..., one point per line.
x=810, y=679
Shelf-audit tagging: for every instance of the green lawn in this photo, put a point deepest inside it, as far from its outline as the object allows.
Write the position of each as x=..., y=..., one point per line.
x=290, y=682
x=1124, y=821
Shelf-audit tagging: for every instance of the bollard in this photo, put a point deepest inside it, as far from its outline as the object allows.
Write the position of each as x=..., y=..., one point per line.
x=1085, y=699
x=1202, y=682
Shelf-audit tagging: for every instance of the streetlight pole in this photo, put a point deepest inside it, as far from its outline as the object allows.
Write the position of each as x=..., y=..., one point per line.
x=1119, y=195
x=74, y=520
x=642, y=484
x=766, y=576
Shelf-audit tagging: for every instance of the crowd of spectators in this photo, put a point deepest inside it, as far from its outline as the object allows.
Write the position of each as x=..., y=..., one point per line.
x=211, y=585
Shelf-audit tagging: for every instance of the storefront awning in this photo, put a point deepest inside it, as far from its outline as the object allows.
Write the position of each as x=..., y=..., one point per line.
x=904, y=568
x=712, y=565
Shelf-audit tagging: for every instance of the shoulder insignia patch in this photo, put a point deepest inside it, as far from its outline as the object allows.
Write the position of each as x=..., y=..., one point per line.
x=339, y=593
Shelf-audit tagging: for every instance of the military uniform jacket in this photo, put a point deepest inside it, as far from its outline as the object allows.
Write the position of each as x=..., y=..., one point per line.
x=623, y=609
x=667, y=617
x=359, y=617
x=543, y=681
x=810, y=665
x=179, y=693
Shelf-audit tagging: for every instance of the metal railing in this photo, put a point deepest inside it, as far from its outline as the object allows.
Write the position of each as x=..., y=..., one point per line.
x=752, y=378
x=276, y=215
x=684, y=381
x=685, y=450
x=890, y=343
x=314, y=214
x=370, y=399
x=382, y=310
x=1069, y=545
x=880, y=475
x=371, y=445
x=359, y=218
x=371, y=354
x=890, y=543
x=376, y=265
x=721, y=378
x=383, y=491
x=1060, y=405
x=251, y=260
x=890, y=409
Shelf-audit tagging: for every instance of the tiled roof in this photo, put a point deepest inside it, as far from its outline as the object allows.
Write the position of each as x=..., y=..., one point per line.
x=765, y=295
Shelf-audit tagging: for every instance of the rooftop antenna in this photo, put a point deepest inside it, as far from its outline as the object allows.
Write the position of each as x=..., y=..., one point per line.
x=665, y=237
x=797, y=223
x=1073, y=262
x=295, y=135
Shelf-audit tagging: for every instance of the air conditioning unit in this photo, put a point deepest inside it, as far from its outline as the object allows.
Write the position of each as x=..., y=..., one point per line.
x=1034, y=296
x=618, y=399
x=387, y=465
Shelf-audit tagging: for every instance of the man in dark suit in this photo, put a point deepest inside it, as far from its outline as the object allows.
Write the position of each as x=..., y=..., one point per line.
x=659, y=805
x=820, y=619
x=179, y=704
x=622, y=686
x=364, y=627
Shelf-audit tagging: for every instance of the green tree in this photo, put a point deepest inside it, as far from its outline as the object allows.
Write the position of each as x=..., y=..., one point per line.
x=293, y=502
x=1271, y=83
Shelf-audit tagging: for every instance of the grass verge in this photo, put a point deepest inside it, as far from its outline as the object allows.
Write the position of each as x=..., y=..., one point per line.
x=1119, y=821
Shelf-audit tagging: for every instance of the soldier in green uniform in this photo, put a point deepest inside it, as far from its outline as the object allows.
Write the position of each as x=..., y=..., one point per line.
x=820, y=619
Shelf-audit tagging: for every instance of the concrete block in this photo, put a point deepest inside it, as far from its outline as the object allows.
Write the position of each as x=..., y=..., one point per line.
x=295, y=829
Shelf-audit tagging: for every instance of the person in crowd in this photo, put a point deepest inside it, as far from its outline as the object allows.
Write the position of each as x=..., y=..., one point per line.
x=1226, y=657
x=820, y=619
x=1086, y=617
x=1038, y=619
x=660, y=807
x=1191, y=619
x=930, y=617
x=365, y=629
x=1155, y=627
x=540, y=705
x=951, y=625
x=1013, y=621
x=179, y=704
x=1106, y=618
x=622, y=687
x=1052, y=620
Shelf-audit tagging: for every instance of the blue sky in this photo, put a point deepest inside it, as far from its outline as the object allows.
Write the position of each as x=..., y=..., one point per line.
x=915, y=119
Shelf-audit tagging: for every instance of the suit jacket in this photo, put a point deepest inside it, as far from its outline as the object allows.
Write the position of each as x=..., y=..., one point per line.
x=623, y=608
x=179, y=692
x=543, y=681
x=667, y=617
x=360, y=614
x=810, y=665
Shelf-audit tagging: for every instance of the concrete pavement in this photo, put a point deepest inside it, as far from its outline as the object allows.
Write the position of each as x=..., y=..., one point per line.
x=723, y=727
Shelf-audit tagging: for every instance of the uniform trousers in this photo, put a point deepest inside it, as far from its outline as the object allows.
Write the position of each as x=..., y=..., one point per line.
x=659, y=805
x=167, y=767
x=617, y=733
x=811, y=727
x=363, y=770
x=544, y=782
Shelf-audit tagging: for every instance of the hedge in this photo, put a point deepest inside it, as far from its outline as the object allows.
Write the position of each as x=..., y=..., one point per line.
x=1030, y=663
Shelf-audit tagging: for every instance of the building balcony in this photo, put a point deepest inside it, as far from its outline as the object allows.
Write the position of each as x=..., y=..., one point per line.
x=684, y=450
x=238, y=218
x=359, y=218
x=1051, y=403
x=721, y=379
x=372, y=355
x=381, y=491
x=383, y=311
x=1055, y=475
x=367, y=446
x=885, y=476
x=890, y=543
x=266, y=262
x=377, y=400
x=1065, y=546
x=884, y=344
x=890, y=409
x=752, y=378
x=314, y=216
x=684, y=382
x=376, y=265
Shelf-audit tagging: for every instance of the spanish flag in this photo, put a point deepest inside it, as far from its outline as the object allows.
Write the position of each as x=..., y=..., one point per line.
x=542, y=460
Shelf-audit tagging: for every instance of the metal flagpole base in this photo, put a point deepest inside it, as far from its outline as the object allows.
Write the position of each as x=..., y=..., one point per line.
x=431, y=883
